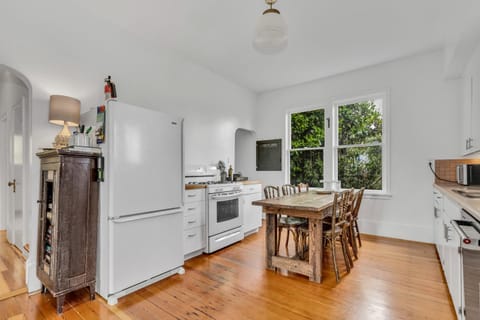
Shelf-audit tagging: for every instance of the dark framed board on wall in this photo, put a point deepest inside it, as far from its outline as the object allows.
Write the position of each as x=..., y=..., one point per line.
x=269, y=155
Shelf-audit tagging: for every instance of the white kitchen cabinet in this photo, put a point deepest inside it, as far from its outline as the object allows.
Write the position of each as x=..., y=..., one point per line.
x=453, y=270
x=439, y=228
x=447, y=242
x=252, y=215
x=471, y=106
x=194, y=238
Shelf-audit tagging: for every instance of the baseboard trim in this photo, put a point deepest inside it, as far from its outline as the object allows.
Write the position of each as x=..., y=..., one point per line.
x=397, y=231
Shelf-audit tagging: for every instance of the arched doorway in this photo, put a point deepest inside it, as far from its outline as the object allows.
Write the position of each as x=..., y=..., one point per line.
x=15, y=185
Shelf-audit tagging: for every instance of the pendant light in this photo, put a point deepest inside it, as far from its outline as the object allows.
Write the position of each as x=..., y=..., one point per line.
x=271, y=32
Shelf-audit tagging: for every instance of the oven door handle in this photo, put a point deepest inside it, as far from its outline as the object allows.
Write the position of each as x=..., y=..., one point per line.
x=226, y=197
x=459, y=230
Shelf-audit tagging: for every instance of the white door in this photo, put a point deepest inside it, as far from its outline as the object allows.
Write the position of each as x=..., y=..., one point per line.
x=143, y=247
x=146, y=160
x=14, y=198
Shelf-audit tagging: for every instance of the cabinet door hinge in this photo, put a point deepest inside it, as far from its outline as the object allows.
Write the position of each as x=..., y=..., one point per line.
x=328, y=123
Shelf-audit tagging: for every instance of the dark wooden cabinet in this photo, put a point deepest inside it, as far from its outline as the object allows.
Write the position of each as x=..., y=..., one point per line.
x=67, y=226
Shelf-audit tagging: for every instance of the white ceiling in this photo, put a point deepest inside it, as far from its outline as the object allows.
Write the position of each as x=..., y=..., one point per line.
x=327, y=37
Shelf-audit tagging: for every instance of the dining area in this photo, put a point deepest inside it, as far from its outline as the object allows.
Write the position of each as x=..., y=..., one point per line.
x=321, y=223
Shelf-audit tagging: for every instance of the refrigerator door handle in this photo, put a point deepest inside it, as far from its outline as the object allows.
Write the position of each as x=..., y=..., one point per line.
x=148, y=215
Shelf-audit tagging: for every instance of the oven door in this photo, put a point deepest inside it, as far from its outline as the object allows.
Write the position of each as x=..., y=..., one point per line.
x=224, y=213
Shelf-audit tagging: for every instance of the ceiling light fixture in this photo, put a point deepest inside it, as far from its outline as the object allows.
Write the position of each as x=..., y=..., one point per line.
x=271, y=32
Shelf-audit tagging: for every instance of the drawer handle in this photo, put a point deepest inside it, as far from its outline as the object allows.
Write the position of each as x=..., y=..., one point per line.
x=192, y=235
x=191, y=221
x=191, y=195
x=191, y=209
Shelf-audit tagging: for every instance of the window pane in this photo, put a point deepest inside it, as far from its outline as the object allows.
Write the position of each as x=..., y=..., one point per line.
x=306, y=166
x=360, y=167
x=308, y=129
x=360, y=123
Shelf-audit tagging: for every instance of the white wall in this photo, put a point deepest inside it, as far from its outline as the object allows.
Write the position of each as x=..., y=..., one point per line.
x=213, y=107
x=425, y=124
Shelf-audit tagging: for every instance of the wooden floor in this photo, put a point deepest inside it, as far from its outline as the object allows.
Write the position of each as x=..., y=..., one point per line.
x=392, y=280
x=12, y=270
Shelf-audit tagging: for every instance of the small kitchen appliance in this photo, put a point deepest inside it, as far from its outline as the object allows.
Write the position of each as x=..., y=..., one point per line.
x=468, y=174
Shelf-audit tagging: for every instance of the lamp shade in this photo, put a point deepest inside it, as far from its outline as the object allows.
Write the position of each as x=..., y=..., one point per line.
x=64, y=111
x=271, y=33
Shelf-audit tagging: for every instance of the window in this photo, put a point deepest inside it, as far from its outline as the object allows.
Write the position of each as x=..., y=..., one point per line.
x=346, y=142
x=307, y=145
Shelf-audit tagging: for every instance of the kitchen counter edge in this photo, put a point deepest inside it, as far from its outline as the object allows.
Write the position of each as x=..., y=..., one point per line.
x=203, y=186
x=471, y=205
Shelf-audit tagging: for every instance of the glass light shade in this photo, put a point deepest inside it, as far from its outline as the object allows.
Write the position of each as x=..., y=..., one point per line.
x=271, y=33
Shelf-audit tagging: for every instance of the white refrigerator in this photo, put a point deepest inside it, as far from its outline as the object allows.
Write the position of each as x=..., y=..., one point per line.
x=141, y=199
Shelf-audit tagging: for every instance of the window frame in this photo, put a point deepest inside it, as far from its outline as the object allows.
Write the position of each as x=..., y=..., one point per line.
x=288, y=145
x=331, y=146
x=385, y=144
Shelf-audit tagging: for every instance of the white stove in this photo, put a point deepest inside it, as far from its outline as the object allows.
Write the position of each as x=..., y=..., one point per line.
x=225, y=210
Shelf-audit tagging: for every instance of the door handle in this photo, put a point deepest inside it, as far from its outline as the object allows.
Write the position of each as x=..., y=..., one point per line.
x=14, y=184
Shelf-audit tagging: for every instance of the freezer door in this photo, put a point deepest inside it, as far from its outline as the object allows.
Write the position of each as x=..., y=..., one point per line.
x=146, y=164
x=143, y=247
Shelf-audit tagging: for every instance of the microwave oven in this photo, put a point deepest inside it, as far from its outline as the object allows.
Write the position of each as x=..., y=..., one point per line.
x=468, y=174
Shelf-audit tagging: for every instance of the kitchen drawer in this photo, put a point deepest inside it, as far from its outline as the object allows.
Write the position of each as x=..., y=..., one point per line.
x=194, y=215
x=195, y=195
x=194, y=239
x=252, y=188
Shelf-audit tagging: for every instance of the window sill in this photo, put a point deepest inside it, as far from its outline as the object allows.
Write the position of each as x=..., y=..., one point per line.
x=367, y=194
x=377, y=196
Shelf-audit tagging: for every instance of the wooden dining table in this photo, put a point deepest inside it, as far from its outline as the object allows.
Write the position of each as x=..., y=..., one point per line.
x=312, y=205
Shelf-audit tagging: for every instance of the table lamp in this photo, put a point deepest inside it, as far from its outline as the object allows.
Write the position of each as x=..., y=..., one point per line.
x=64, y=111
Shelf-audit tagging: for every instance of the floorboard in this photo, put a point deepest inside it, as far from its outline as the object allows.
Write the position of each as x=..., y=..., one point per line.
x=392, y=279
x=12, y=270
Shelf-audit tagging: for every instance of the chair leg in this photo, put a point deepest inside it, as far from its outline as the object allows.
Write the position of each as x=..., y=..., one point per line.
x=295, y=234
x=334, y=257
x=358, y=234
x=286, y=241
x=279, y=236
x=346, y=253
x=353, y=241
x=349, y=254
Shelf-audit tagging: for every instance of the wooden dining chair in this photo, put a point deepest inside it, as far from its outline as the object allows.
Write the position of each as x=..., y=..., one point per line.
x=271, y=192
x=338, y=230
x=291, y=224
x=289, y=189
x=354, y=231
x=302, y=187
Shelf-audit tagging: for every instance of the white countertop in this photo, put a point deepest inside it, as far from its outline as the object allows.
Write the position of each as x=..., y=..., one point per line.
x=472, y=205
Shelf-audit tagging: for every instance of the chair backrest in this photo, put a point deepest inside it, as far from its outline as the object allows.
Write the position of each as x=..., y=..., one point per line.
x=302, y=187
x=357, y=203
x=288, y=189
x=271, y=192
x=341, y=209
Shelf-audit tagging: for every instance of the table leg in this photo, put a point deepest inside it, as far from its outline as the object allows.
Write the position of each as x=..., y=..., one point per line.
x=270, y=238
x=315, y=251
